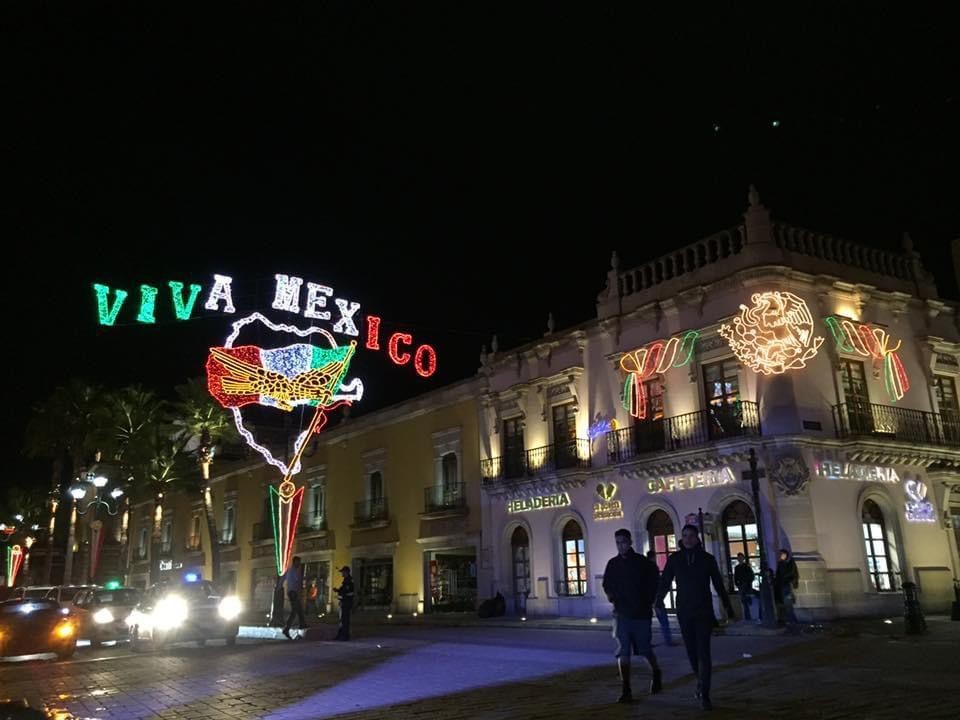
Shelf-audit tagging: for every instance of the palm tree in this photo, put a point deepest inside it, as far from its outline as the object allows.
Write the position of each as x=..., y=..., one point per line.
x=203, y=424
x=63, y=428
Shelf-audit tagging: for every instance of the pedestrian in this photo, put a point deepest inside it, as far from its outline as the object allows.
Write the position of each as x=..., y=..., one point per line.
x=785, y=582
x=346, y=593
x=313, y=594
x=661, y=612
x=694, y=569
x=293, y=579
x=743, y=577
x=630, y=582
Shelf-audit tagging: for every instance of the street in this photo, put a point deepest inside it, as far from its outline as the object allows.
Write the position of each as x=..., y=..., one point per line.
x=471, y=672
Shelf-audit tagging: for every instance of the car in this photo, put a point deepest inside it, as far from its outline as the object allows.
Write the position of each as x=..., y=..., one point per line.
x=101, y=614
x=63, y=594
x=190, y=609
x=30, y=627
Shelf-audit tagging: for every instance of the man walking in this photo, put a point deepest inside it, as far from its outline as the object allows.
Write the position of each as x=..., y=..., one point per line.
x=743, y=576
x=293, y=579
x=630, y=582
x=694, y=570
x=786, y=581
x=345, y=592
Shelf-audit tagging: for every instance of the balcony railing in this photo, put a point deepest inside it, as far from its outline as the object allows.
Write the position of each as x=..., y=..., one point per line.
x=372, y=510
x=859, y=420
x=438, y=498
x=566, y=455
x=680, y=432
x=263, y=531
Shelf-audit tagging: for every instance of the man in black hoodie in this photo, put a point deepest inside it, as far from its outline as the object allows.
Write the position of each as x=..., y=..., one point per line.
x=694, y=570
x=630, y=582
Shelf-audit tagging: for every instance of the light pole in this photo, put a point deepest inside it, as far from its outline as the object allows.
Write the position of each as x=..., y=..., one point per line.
x=767, y=606
x=77, y=492
x=99, y=482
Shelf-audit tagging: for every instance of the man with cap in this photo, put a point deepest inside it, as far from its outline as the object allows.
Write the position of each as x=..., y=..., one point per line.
x=345, y=593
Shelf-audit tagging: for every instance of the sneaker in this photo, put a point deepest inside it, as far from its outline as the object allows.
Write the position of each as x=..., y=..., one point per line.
x=287, y=634
x=656, y=684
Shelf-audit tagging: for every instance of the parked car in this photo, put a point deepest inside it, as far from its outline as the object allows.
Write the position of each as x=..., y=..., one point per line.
x=29, y=627
x=178, y=611
x=63, y=594
x=101, y=614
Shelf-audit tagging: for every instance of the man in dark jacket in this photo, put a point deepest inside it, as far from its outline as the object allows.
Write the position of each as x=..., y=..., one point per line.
x=743, y=577
x=694, y=570
x=346, y=593
x=630, y=582
x=786, y=581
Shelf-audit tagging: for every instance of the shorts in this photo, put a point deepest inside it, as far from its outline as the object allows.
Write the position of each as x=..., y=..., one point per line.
x=632, y=634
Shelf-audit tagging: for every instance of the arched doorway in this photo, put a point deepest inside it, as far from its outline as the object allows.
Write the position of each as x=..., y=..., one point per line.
x=880, y=558
x=574, y=561
x=740, y=536
x=520, y=562
x=663, y=541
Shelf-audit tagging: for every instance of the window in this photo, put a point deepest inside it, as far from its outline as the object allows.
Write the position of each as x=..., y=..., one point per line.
x=144, y=541
x=945, y=390
x=654, y=391
x=879, y=565
x=663, y=541
x=740, y=533
x=853, y=380
x=229, y=534
x=574, y=561
x=318, y=505
x=166, y=535
x=721, y=382
x=193, y=539
x=376, y=485
x=449, y=472
x=520, y=552
x=513, y=447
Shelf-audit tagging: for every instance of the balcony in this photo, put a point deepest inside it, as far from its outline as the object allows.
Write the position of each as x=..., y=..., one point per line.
x=444, y=498
x=682, y=432
x=886, y=422
x=370, y=512
x=567, y=455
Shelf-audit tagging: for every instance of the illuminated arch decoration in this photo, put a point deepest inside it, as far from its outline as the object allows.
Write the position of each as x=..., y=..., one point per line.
x=14, y=561
x=774, y=335
x=652, y=359
x=283, y=378
x=872, y=342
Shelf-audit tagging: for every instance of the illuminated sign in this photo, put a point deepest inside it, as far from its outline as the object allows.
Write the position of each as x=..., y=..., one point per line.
x=774, y=335
x=872, y=342
x=691, y=481
x=540, y=502
x=854, y=471
x=166, y=565
x=652, y=359
x=919, y=509
x=607, y=508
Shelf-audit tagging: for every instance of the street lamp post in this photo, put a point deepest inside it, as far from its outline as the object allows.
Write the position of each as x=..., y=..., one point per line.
x=767, y=606
x=77, y=492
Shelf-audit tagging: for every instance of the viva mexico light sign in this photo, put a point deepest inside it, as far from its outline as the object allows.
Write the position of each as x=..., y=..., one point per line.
x=287, y=367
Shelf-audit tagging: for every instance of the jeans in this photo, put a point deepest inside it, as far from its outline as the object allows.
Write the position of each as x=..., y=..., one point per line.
x=746, y=599
x=664, y=622
x=296, y=608
x=696, y=630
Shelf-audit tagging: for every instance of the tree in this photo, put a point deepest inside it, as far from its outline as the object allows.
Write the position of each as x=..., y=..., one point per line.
x=203, y=425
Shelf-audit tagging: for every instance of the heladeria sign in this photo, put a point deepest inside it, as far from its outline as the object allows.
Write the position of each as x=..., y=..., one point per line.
x=540, y=502
x=855, y=471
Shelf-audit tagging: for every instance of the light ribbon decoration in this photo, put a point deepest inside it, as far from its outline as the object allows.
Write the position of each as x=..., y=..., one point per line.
x=872, y=342
x=652, y=359
x=774, y=335
x=282, y=378
x=14, y=561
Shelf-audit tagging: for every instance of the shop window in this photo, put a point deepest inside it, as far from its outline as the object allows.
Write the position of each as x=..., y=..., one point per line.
x=740, y=536
x=879, y=556
x=574, y=580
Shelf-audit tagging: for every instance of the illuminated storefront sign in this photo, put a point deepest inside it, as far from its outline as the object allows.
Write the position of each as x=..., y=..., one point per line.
x=691, y=481
x=607, y=508
x=854, y=471
x=919, y=509
x=540, y=502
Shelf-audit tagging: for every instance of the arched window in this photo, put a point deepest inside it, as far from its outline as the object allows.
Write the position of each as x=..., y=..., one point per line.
x=663, y=541
x=879, y=557
x=520, y=552
x=740, y=534
x=574, y=561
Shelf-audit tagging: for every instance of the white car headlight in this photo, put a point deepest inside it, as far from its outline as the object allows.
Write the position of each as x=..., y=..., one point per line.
x=170, y=612
x=103, y=616
x=230, y=607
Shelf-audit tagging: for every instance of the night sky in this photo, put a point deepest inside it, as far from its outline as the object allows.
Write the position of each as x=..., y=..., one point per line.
x=458, y=172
